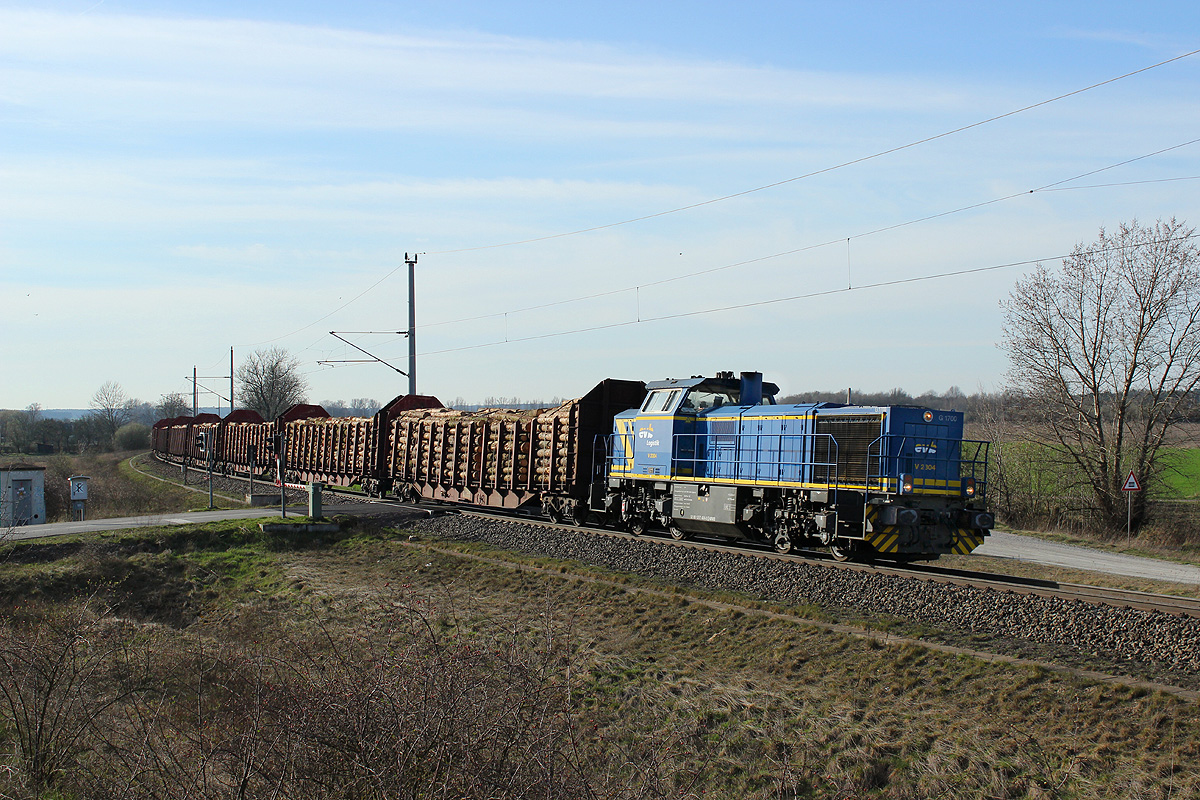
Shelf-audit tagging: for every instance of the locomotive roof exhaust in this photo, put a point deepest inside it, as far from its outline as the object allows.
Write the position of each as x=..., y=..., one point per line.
x=752, y=388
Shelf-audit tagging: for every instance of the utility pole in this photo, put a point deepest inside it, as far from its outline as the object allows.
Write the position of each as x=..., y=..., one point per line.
x=412, y=322
x=411, y=333
x=196, y=388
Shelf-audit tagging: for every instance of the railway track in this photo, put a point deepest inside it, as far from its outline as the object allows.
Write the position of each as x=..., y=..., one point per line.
x=1100, y=595
x=1096, y=595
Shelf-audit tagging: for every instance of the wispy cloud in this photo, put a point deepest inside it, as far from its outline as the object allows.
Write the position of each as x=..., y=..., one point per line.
x=260, y=74
x=1156, y=42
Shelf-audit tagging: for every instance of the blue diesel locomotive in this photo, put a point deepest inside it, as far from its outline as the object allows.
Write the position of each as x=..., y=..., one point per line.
x=718, y=456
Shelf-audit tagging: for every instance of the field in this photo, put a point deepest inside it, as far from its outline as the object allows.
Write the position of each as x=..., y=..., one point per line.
x=220, y=661
x=1182, y=480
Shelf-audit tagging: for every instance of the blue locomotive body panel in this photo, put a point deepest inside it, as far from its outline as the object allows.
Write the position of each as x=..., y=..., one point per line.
x=799, y=445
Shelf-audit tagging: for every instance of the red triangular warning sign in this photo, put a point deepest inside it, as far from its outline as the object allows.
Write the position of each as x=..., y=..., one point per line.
x=1131, y=484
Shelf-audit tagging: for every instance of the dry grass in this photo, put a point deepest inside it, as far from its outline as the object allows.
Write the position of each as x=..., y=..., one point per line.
x=768, y=708
x=236, y=661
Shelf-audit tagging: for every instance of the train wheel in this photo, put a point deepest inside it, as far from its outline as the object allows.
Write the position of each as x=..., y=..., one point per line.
x=841, y=552
x=677, y=533
x=637, y=526
x=554, y=515
x=783, y=543
x=579, y=517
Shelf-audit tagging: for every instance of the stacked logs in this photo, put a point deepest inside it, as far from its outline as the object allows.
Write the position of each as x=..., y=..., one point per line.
x=330, y=446
x=502, y=457
x=489, y=448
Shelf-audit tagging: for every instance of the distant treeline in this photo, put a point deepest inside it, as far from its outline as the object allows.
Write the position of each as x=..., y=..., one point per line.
x=978, y=407
x=515, y=403
x=953, y=399
x=29, y=432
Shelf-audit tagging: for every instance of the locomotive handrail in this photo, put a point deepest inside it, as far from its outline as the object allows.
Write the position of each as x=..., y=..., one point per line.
x=749, y=463
x=885, y=465
x=736, y=457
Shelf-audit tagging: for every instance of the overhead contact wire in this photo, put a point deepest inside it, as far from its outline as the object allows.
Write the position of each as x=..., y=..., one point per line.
x=1055, y=186
x=734, y=195
x=823, y=170
x=774, y=300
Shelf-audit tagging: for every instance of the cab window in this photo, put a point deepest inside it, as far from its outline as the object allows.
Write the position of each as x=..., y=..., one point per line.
x=701, y=400
x=661, y=400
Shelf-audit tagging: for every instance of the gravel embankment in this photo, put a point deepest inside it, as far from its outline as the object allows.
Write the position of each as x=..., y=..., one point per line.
x=1149, y=645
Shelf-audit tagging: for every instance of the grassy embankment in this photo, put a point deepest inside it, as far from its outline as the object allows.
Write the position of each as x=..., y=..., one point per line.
x=217, y=658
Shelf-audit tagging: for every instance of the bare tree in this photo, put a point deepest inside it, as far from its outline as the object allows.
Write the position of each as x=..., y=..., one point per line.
x=270, y=382
x=364, y=406
x=336, y=408
x=1109, y=347
x=172, y=405
x=111, y=407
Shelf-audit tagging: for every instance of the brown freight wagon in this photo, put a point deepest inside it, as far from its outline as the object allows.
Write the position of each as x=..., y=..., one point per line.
x=508, y=459
x=210, y=425
x=177, y=437
x=341, y=451
x=242, y=430
x=174, y=439
x=166, y=437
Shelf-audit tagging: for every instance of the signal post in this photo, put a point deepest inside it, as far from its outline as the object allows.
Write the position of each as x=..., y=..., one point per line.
x=1131, y=486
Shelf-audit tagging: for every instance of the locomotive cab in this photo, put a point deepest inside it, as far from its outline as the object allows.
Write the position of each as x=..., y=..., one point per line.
x=660, y=438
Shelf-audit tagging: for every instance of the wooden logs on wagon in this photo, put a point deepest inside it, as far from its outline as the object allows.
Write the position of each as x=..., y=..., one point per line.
x=488, y=448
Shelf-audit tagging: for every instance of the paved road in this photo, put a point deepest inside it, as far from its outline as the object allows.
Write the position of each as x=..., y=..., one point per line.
x=184, y=518
x=1028, y=548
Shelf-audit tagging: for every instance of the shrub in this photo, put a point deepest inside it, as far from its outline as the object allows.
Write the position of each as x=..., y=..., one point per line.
x=132, y=436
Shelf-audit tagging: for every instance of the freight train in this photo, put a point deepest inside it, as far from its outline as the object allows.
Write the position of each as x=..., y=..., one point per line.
x=703, y=456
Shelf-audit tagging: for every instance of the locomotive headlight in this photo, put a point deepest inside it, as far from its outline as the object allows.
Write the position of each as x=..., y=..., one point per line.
x=969, y=487
x=906, y=484
x=984, y=521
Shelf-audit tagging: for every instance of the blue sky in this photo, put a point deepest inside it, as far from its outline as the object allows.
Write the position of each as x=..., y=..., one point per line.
x=177, y=179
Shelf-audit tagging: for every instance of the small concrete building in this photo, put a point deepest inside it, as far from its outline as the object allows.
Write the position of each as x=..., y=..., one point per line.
x=22, y=495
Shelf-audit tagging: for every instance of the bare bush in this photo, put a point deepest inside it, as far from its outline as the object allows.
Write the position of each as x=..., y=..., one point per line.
x=409, y=706
x=132, y=436
x=60, y=671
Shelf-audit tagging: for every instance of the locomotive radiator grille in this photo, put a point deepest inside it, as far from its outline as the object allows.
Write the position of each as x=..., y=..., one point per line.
x=854, y=435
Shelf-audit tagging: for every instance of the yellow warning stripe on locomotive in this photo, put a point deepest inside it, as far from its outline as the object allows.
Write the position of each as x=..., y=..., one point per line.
x=966, y=540
x=887, y=540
